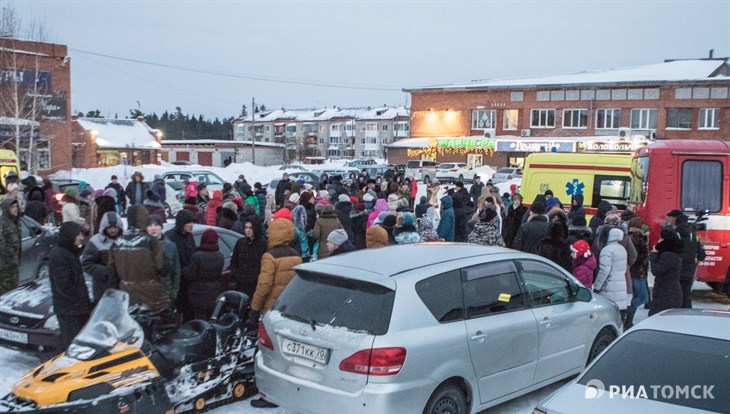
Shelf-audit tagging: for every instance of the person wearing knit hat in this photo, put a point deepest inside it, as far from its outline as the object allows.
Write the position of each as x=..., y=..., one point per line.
x=294, y=198
x=584, y=263
x=406, y=233
x=203, y=275
x=70, y=191
x=338, y=243
x=485, y=230
x=343, y=198
x=530, y=234
x=552, y=202
x=228, y=215
x=154, y=205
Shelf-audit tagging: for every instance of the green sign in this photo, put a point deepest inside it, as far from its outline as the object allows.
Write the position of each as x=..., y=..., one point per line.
x=467, y=143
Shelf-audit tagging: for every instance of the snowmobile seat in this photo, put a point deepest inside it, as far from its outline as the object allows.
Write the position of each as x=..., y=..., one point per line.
x=194, y=341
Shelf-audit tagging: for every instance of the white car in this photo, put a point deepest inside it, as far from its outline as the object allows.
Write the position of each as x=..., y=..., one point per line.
x=292, y=167
x=507, y=173
x=173, y=198
x=454, y=172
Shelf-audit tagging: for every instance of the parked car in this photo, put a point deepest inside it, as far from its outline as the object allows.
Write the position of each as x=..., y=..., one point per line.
x=463, y=328
x=331, y=172
x=174, y=197
x=375, y=170
x=59, y=187
x=674, y=350
x=309, y=178
x=289, y=167
x=213, y=181
x=182, y=162
x=422, y=170
x=27, y=320
x=37, y=242
x=359, y=163
x=454, y=172
x=507, y=173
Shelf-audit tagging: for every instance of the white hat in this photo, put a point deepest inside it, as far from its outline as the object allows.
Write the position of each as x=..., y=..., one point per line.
x=294, y=198
x=343, y=198
x=368, y=197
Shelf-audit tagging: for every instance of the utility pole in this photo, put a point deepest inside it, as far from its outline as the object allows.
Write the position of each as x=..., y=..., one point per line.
x=253, y=131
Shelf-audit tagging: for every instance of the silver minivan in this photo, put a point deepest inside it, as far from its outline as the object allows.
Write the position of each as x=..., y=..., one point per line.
x=422, y=170
x=432, y=327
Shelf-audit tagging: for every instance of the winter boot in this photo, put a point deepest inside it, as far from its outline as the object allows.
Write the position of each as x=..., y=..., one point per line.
x=629, y=322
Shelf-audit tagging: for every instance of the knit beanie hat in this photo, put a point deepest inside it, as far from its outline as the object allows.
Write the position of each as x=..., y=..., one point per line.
x=581, y=248
x=368, y=197
x=343, y=198
x=294, y=198
x=487, y=215
x=538, y=207
x=337, y=237
x=70, y=191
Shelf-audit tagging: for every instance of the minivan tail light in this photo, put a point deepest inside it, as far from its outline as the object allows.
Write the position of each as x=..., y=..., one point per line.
x=377, y=361
x=264, y=339
x=509, y=177
x=420, y=170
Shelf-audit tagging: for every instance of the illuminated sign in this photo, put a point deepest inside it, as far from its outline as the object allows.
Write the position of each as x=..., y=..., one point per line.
x=466, y=143
x=534, y=146
x=437, y=123
x=610, y=146
x=454, y=146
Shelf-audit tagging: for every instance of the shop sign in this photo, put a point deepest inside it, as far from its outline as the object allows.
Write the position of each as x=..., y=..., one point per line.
x=610, y=146
x=25, y=78
x=466, y=143
x=535, y=146
x=456, y=146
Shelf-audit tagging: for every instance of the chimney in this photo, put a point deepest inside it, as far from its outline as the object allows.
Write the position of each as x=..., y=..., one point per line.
x=712, y=52
x=140, y=118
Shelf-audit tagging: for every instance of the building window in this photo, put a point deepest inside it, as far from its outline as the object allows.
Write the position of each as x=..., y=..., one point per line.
x=509, y=119
x=643, y=118
x=371, y=140
x=481, y=119
x=291, y=128
x=542, y=118
x=362, y=140
x=335, y=127
x=371, y=127
x=516, y=96
x=321, y=140
x=709, y=118
x=385, y=127
x=267, y=128
x=608, y=118
x=402, y=126
x=680, y=118
x=575, y=118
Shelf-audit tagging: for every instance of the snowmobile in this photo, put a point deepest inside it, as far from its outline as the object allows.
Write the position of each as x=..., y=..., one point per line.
x=111, y=368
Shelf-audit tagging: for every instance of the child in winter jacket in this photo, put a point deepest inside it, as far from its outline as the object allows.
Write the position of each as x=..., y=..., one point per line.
x=428, y=234
x=584, y=263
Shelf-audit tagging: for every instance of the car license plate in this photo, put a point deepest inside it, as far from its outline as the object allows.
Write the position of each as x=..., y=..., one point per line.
x=20, y=337
x=312, y=353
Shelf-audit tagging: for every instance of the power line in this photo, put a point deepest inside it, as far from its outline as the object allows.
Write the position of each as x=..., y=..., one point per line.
x=341, y=85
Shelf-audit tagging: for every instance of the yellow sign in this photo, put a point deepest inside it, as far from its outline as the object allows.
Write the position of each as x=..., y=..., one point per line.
x=504, y=297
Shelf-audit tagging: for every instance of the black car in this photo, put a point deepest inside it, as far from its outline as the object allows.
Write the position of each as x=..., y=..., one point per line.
x=27, y=320
x=37, y=242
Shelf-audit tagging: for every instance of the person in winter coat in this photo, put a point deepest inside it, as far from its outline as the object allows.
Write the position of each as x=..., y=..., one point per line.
x=485, y=231
x=515, y=212
x=159, y=187
x=228, y=215
x=692, y=252
x=10, y=247
x=426, y=230
x=540, y=198
x=302, y=236
x=359, y=218
x=153, y=204
x=283, y=185
x=596, y=221
x=306, y=200
x=476, y=190
x=190, y=204
x=380, y=206
x=182, y=236
x=250, y=198
x=203, y=275
x=171, y=275
x=260, y=193
x=326, y=224
x=103, y=204
x=277, y=267
x=376, y=236
x=578, y=230
x=138, y=260
x=136, y=189
x=407, y=232
x=35, y=207
x=666, y=266
x=121, y=195
x=202, y=199
x=576, y=208
x=238, y=184
x=612, y=265
x=48, y=197
x=447, y=224
x=555, y=246
x=339, y=243
x=422, y=207
x=213, y=204
x=95, y=260
x=613, y=221
x=343, y=210
x=584, y=263
x=70, y=207
x=638, y=270
x=70, y=296
x=393, y=202
x=460, y=219
x=530, y=234
x=247, y=254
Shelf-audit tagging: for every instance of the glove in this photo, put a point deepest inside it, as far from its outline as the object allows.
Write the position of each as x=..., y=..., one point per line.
x=253, y=319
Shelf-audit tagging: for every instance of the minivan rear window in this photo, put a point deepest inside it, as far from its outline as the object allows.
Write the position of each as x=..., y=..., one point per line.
x=335, y=301
x=413, y=164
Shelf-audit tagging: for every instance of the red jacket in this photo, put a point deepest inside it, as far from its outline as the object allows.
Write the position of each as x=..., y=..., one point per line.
x=211, y=211
x=414, y=189
x=583, y=270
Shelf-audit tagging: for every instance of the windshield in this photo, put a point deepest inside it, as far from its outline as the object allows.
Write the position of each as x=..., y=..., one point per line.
x=446, y=166
x=639, y=178
x=648, y=358
x=504, y=171
x=110, y=328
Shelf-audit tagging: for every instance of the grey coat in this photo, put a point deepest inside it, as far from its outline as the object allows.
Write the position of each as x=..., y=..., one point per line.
x=611, y=280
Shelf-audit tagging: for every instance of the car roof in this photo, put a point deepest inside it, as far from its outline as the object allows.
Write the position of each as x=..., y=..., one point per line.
x=698, y=322
x=397, y=259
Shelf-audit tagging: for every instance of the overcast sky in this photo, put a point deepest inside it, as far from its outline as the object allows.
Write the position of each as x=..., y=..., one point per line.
x=385, y=45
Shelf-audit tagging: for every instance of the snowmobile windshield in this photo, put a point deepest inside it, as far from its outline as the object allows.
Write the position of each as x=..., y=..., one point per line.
x=110, y=329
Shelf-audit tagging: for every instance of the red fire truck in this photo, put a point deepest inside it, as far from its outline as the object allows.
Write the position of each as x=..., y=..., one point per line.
x=693, y=176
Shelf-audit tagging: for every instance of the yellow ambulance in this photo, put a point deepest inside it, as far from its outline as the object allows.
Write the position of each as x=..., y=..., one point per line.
x=8, y=162
x=596, y=176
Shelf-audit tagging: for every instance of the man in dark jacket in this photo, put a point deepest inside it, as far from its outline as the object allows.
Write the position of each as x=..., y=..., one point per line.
x=281, y=187
x=534, y=231
x=576, y=208
x=260, y=193
x=35, y=207
x=138, y=259
x=597, y=221
x=247, y=254
x=159, y=187
x=422, y=207
x=343, y=210
x=460, y=219
x=121, y=195
x=447, y=223
x=389, y=174
x=95, y=260
x=70, y=295
x=336, y=188
x=476, y=190
x=692, y=252
x=10, y=246
x=204, y=274
x=136, y=188
x=515, y=212
x=182, y=236
x=171, y=275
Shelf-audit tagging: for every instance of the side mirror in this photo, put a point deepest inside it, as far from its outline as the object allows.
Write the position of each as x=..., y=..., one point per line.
x=583, y=295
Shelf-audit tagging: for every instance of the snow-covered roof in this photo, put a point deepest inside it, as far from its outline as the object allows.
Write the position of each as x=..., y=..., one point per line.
x=120, y=133
x=326, y=114
x=671, y=71
x=7, y=121
x=22, y=52
x=223, y=142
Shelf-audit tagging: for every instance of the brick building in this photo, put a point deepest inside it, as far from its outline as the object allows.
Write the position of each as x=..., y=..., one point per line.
x=103, y=142
x=610, y=110
x=38, y=74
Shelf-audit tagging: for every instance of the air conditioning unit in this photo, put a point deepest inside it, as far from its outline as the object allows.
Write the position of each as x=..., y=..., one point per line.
x=624, y=133
x=490, y=133
x=525, y=133
x=651, y=135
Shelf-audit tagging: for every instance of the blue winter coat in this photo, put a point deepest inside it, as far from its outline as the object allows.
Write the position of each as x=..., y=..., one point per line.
x=447, y=224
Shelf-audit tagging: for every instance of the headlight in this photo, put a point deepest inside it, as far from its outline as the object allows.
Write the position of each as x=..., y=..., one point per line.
x=51, y=323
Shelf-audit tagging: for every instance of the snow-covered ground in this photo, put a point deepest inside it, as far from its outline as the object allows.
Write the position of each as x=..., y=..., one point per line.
x=15, y=364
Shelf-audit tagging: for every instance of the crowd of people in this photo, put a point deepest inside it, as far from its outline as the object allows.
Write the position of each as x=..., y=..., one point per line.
x=302, y=222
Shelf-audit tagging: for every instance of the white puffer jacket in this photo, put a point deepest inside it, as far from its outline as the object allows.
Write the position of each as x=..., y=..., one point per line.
x=611, y=279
